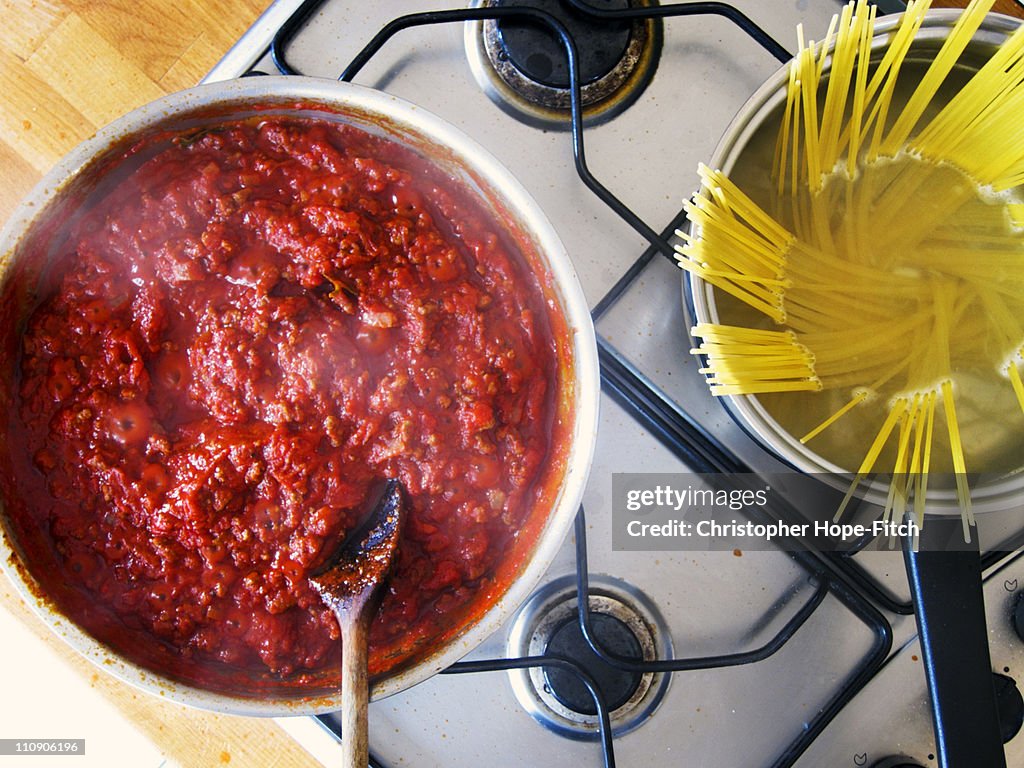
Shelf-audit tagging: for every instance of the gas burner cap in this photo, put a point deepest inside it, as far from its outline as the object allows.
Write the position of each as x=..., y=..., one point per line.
x=624, y=622
x=523, y=68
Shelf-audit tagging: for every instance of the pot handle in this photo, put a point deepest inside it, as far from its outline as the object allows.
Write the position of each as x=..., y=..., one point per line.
x=945, y=581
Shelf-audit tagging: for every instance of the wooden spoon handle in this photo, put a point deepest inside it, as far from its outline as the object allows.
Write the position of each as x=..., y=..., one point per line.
x=355, y=689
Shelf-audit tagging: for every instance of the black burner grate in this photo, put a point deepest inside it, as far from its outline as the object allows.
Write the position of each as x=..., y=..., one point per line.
x=616, y=684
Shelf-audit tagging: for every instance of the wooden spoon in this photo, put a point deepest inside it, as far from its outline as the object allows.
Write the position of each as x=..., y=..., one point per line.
x=350, y=586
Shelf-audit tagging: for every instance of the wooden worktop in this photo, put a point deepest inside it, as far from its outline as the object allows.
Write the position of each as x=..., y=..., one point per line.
x=68, y=67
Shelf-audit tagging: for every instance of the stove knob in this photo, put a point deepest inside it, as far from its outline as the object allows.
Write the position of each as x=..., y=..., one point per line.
x=1010, y=704
x=897, y=761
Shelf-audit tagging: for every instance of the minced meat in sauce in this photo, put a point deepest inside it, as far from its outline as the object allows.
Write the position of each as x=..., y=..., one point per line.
x=247, y=334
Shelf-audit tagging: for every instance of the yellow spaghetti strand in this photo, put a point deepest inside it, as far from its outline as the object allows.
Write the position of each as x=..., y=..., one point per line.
x=837, y=92
x=963, y=493
x=854, y=401
x=809, y=100
x=741, y=249
x=944, y=61
x=914, y=475
x=895, y=414
x=1018, y=385
x=888, y=72
x=741, y=361
x=977, y=129
x=922, y=490
x=865, y=27
x=782, y=146
x=896, y=500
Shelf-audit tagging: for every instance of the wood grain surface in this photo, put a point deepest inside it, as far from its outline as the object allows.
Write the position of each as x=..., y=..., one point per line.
x=68, y=67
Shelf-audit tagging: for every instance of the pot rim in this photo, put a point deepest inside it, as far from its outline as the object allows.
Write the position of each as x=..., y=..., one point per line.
x=700, y=303
x=402, y=119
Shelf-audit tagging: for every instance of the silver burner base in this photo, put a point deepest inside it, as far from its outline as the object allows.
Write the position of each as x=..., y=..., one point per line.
x=537, y=103
x=548, y=610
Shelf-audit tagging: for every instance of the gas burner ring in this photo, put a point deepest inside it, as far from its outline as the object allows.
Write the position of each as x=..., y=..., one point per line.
x=621, y=616
x=522, y=68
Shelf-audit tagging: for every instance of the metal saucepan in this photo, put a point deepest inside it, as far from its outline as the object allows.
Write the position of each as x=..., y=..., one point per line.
x=36, y=227
x=946, y=585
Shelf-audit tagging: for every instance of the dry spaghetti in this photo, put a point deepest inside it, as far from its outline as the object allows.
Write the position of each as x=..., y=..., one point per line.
x=888, y=257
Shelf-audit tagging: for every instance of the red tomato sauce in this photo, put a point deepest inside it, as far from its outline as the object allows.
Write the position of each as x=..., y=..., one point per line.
x=250, y=331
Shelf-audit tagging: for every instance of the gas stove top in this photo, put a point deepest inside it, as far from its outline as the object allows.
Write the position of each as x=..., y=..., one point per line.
x=740, y=658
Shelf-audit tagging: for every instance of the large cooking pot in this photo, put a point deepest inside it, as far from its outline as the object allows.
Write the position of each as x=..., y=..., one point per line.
x=944, y=573
x=37, y=226
x=744, y=153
